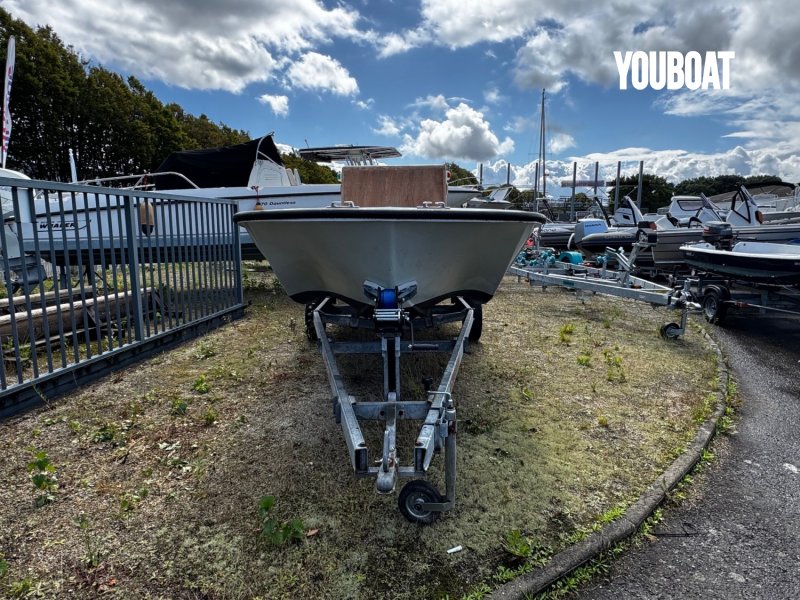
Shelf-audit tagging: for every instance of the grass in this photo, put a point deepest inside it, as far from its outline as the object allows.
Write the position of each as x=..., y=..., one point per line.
x=170, y=477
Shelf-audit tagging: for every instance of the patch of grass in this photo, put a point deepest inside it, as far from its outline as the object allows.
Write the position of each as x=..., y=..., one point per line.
x=209, y=417
x=205, y=349
x=585, y=359
x=201, y=385
x=565, y=333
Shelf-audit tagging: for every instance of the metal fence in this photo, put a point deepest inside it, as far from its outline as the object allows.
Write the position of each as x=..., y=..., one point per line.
x=95, y=278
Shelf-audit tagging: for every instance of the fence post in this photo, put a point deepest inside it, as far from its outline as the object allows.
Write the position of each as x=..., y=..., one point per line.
x=133, y=267
x=237, y=256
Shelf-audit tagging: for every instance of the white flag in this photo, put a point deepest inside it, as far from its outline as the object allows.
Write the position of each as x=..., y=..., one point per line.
x=7, y=96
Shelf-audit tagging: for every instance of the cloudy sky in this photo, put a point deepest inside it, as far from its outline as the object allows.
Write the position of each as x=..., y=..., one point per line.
x=461, y=79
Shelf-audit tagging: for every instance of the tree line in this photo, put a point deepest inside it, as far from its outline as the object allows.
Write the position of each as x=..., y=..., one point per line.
x=114, y=126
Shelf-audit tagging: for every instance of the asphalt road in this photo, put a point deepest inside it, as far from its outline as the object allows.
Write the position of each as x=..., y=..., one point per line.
x=738, y=534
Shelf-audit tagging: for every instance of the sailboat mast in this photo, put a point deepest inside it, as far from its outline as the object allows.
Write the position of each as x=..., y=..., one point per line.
x=542, y=157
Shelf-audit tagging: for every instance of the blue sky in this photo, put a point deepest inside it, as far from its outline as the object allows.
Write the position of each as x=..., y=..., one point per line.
x=461, y=79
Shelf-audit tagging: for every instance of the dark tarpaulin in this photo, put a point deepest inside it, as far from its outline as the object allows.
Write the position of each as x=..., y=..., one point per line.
x=228, y=166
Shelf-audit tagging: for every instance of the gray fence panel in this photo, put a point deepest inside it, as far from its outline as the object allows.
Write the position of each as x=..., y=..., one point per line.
x=93, y=278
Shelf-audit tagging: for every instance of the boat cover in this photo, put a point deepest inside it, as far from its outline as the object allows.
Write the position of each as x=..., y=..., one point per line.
x=228, y=166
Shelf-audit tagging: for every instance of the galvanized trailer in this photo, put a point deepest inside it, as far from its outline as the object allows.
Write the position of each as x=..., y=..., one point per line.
x=620, y=282
x=419, y=501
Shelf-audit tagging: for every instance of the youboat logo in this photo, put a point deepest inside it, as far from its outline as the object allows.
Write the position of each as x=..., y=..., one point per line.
x=674, y=70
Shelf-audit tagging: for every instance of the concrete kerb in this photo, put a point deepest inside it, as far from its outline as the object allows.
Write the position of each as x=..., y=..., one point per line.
x=587, y=549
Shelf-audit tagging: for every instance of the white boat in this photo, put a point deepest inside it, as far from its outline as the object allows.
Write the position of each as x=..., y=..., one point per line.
x=746, y=219
x=758, y=262
x=444, y=252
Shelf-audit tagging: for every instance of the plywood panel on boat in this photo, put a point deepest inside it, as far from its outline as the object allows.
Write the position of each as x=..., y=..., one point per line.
x=394, y=186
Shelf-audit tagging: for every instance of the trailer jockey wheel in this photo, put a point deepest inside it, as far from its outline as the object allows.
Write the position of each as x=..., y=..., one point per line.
x=413, y=495
x=670, y=331
x=477, y=323
x=714, y=307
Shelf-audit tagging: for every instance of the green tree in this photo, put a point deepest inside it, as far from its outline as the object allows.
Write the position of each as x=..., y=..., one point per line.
x=310, y=172
x=114, y=126
x=460, y=176
x=656, y=191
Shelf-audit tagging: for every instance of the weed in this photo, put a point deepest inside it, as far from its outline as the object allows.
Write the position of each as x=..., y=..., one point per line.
x=602, y=421
x=24, y=588
x=523, y=550
x=200, y=385
x=273, y=531
x=92, y=557
x=209, y=417
x=44, y=478
x=478, y=592
x=704, y=409
x=3, y=567
x=106, y=433
x=74, y=426
x=205, y=349
x=130, y=500
x=565, y=333
x=615, y=372
x=179, y=406
x=585, y=359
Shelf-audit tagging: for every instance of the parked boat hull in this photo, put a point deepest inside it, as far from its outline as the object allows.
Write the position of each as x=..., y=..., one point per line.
x=667, y=253
x=750, y=261
x=333, y=251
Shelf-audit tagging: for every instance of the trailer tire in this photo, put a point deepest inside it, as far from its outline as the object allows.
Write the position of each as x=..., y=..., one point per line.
x=412, y=496
x=714, y=307
x=670, y=331
x=477, y=324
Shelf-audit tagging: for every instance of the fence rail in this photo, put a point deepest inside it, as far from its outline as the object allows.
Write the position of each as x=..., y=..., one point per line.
x=94, y=278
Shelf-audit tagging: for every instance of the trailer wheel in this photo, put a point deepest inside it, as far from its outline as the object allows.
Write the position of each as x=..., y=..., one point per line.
x=670, y=331
x=714, y=307
x=413, y=495
x=477, y=323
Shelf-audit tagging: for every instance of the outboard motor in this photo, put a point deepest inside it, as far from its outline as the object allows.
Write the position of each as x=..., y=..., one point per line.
x=719, y=234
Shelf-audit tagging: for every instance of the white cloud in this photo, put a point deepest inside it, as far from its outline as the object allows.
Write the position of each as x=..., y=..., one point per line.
x=673, y=165
x=278, y=104
x=464, y=134
x=492, y=95
x=559, y=142
x=364, y=104
x=316, y=71
x=387, y=126
x=194, y=44
x=435, y=103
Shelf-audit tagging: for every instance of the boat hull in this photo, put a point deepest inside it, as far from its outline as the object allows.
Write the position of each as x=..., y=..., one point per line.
x=667, y=253
x=748, y=261
x=333, y=251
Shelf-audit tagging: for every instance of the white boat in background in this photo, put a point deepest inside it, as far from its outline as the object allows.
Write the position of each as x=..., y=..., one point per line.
x=746, y=219
x=756, y=262
x=445, y=253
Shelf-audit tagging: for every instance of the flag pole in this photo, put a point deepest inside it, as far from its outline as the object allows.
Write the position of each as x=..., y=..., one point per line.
x=9, y=76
